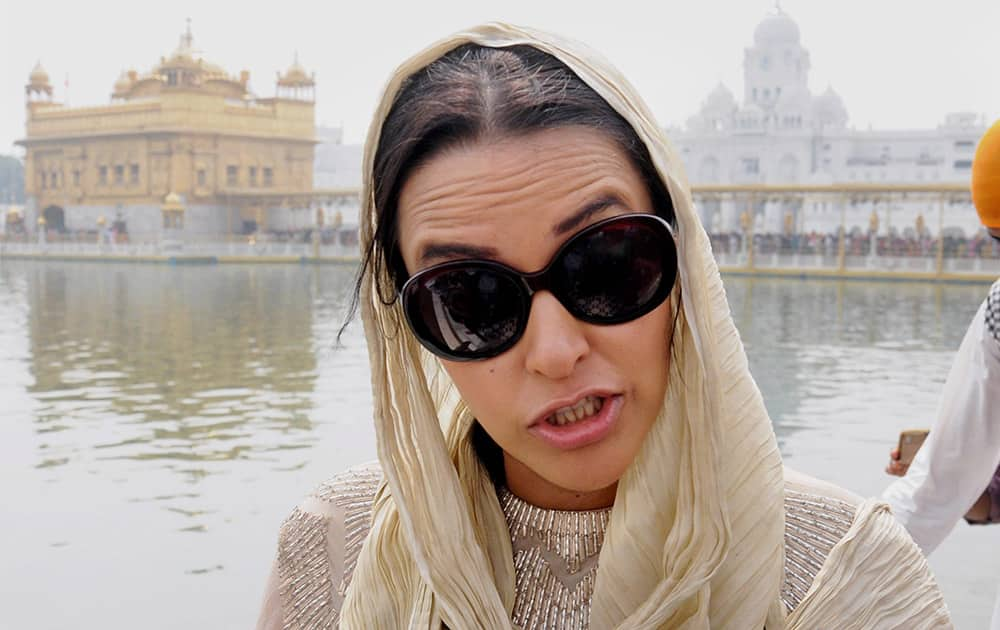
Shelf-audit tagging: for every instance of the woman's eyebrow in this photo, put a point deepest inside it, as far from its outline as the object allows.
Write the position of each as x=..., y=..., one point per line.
x=591, y=208
x=434, y=252
x=455, y=251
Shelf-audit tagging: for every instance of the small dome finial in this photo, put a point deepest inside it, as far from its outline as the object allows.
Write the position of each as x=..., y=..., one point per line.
x=185, y=48
x=38, y=77
x=38, y=73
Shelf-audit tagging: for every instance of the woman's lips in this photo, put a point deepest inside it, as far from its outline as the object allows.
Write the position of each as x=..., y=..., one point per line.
x=582, y=432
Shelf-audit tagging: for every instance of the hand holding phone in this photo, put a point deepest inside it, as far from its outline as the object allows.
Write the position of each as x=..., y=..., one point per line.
x=910, y=442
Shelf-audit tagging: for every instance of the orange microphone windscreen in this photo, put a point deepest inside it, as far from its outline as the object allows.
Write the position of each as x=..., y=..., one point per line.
x=986, y=178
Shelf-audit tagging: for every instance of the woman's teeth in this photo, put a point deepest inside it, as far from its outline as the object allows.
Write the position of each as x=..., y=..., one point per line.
x=583, y=409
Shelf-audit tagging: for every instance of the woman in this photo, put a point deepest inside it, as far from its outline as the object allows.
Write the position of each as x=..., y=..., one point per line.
x=605, y=458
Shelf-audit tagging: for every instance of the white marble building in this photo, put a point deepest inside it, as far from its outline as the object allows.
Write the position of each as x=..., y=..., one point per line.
x=780, y=132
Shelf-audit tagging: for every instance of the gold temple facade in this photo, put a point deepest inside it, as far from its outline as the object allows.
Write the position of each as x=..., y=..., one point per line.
x=185, y=148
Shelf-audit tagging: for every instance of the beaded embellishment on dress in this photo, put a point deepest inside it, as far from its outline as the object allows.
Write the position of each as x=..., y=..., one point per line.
x=311, y=591
x=813, y=525
x=555, y=552
x=555, y=563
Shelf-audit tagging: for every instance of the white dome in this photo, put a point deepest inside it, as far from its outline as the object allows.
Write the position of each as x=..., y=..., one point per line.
x=776, y=28
x=829, y=108
x=830, y=98
x=720, y=100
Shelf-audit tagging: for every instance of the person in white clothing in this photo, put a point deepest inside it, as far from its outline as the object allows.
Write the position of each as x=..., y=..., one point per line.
x=951, y=474
x=957, y=471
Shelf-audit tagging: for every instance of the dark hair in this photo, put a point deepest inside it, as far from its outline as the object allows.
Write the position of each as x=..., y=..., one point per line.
x=477, y=93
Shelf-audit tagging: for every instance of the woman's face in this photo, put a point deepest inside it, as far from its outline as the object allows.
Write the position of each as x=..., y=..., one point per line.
x=515, y=201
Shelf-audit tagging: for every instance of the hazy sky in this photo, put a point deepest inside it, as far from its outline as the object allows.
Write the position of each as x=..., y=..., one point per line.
x=896, y=63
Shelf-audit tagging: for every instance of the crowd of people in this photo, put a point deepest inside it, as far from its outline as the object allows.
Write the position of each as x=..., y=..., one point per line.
x=858, y=243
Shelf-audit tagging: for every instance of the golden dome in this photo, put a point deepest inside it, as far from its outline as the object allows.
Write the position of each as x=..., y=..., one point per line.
x=296, y=76
x=38, y=75
x=186, y=68
x=185, y=57
x=213, y=69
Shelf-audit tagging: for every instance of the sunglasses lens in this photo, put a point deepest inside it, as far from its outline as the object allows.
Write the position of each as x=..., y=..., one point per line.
x=471, y=311
x=618, y=272
x=612, y=272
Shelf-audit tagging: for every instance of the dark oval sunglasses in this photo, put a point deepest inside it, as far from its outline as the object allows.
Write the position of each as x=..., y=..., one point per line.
x=611, y=272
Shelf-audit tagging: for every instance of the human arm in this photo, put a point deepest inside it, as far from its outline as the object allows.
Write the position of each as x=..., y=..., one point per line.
x=978, y=514
x=875, y=577
x=963, y=449
x=987, y=508
x=980, y=510
x=318, y=547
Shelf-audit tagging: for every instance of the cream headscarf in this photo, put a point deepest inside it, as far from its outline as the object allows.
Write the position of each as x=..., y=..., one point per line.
x=696, y=533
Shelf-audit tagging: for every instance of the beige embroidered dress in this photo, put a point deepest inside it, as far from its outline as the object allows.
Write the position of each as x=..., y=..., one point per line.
x=555, y=552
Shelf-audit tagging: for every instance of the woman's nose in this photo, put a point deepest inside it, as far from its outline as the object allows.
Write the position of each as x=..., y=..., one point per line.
x=555, y=340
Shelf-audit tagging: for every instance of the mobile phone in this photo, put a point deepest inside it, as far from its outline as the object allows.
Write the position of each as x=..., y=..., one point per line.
x=910, y=442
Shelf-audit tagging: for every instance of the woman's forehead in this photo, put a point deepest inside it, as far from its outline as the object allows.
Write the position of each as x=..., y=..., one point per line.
x=527, y=187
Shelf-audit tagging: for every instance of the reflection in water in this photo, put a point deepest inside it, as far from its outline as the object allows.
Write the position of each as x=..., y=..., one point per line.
x=843, y=367
x=175, y=367
x=853, y=313
x=812, y=342
x=185, y=364
x=161, y=421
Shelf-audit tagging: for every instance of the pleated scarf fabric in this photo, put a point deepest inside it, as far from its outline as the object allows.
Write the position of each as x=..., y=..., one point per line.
x=695, y=538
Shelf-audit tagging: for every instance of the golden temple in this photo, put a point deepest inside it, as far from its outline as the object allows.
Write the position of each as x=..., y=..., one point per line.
x=185, y=147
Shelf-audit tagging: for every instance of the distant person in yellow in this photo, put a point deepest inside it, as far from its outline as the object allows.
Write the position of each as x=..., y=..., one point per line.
x=568, y=433
x=957, y=471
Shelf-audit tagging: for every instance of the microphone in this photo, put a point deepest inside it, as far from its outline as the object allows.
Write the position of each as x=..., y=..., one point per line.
x=986, y=178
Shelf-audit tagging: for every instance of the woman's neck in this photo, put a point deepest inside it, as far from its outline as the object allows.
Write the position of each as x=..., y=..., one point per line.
x=534, y=489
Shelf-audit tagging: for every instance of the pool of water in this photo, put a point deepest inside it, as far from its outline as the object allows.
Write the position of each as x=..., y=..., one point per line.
x=158, y=422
